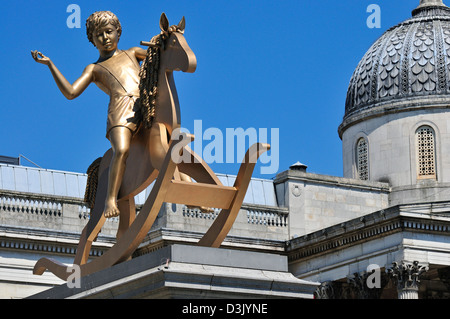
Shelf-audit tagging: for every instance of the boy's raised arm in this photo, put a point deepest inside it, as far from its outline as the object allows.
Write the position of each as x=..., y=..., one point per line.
x=70, y=91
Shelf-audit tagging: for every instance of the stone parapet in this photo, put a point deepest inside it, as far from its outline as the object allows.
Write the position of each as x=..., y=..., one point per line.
x=320, y=201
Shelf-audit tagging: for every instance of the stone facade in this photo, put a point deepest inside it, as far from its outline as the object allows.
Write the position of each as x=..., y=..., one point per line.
x=318, y=201
x=393, y=154
x=409, y=233
x=330, y=229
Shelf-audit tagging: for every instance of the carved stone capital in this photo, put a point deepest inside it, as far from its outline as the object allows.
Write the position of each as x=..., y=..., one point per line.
x=367, y=285
x=325, y=291
x=406, y=275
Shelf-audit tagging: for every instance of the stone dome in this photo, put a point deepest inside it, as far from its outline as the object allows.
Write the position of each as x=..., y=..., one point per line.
x=407, y=68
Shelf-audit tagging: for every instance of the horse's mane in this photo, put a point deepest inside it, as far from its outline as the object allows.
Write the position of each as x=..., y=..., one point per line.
x=148, y=85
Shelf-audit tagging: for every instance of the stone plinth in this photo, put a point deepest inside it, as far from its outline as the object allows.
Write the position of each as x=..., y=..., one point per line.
x=183, y=271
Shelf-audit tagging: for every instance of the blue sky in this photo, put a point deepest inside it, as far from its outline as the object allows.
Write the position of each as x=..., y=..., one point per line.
x=282, y=64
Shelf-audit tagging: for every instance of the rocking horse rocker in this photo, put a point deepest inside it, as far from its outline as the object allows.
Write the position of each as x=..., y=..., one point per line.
x=158, y=153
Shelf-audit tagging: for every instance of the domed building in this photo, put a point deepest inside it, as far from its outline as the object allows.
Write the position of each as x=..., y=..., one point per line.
x=397, y=113
x=396, y=142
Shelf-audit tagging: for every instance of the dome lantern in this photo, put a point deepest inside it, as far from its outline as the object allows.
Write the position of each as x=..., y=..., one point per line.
x=424, y=3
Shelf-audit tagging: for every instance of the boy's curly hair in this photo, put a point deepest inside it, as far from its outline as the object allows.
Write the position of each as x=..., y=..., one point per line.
x=101, y=18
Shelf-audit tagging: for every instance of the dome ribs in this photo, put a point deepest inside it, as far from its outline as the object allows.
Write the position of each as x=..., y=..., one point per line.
x=440, y=58
x=405, y=63
x=446, y=54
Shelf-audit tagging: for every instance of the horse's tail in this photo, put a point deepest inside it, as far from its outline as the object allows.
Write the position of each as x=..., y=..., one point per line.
x=92, y=182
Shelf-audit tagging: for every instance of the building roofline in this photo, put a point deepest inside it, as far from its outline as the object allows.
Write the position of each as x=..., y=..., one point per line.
x=430, y=217
x=331, y=180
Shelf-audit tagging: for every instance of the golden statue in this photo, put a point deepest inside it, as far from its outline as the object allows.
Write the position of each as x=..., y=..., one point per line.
x=143, y=119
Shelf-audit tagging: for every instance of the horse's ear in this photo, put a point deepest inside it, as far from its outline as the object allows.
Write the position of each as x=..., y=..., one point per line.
x=182, y=24
x=164, y=22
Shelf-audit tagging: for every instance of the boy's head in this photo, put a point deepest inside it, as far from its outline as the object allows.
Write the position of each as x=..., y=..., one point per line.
x=99, y=19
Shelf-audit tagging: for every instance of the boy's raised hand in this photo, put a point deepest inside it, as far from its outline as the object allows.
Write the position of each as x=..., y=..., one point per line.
x=40, y=58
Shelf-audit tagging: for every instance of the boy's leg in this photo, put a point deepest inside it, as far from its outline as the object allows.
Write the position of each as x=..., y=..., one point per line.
x=120, y=138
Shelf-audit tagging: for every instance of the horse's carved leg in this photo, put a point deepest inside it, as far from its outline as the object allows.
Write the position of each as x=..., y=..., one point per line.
x=159, y=146
x=127, y=215
x=127, y=210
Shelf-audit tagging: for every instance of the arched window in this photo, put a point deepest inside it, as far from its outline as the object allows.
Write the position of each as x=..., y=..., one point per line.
x=362, y=159
x=426, y=152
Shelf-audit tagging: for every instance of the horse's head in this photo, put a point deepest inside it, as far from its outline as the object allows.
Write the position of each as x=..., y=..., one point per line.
x=176, y=54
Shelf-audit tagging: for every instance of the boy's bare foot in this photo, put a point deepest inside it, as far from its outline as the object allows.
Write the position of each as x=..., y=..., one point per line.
x=203, y=209
x=111, y=209
x=206, y=210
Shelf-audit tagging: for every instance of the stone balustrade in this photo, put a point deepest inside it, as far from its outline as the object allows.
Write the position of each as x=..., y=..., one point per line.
x=34, y=213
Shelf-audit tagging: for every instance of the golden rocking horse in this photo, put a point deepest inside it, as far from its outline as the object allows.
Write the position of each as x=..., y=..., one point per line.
x=156, y=155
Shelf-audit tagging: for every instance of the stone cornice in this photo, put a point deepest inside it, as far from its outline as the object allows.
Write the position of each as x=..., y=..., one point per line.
x=391, y=107
x=330, y=180
x=43, y=197
x=430, y=218
x=28, y=239
x=160, y=237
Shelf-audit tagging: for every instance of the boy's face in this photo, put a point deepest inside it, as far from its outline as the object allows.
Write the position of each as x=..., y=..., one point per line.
x=106, y=38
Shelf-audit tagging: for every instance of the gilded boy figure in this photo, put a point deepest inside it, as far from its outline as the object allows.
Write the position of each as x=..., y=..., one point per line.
x=116, y=72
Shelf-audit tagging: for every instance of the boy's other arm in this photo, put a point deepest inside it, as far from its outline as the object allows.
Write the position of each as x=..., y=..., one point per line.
x=139, y=53
x=70, y=91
